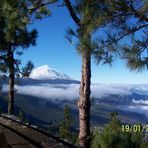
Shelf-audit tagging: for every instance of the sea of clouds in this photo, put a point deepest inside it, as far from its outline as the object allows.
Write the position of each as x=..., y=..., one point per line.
x=68, y=91
x=71, y=92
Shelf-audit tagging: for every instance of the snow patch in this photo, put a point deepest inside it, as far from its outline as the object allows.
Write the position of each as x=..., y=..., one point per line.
x=45, y=73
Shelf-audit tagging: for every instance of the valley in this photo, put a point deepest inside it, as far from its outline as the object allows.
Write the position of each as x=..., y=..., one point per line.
x=43, y=96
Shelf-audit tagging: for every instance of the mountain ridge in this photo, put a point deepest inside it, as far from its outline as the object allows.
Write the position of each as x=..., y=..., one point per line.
x=45, y=73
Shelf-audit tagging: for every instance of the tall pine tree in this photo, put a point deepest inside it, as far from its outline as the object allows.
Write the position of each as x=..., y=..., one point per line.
x=111, y=21
x=14, y=36
x=15, y=16
x=89, y=16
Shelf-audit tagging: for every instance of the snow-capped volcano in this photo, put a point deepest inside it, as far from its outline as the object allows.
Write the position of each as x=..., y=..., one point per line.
x=44, y=72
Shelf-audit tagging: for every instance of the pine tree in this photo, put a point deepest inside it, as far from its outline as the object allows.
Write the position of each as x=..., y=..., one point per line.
x=113, y=137
x=110, y=20
x=66, y=125
x=14, y=18
x=14, y=35
x=89, y=16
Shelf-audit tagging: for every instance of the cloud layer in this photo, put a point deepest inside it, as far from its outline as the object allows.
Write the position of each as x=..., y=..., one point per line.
x=71, y=92
x=67, y=91
x=140, y=101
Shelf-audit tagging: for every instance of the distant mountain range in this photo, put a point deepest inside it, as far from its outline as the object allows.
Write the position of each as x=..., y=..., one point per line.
x=48, y=90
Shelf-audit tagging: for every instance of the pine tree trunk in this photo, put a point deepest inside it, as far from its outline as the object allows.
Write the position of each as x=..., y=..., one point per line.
x=11, y=83
x=84, y=101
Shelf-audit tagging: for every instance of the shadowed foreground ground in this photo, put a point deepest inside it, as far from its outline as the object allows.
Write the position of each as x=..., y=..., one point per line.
x=16, y=135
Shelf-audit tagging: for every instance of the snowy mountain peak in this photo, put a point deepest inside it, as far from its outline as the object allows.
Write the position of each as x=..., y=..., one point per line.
x=44, y=72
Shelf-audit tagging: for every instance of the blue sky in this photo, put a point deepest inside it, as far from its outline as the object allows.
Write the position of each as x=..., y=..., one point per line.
x=54, y=50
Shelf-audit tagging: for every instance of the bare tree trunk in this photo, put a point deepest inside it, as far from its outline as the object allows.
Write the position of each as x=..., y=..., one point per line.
x=11, y=83
x=84, y=101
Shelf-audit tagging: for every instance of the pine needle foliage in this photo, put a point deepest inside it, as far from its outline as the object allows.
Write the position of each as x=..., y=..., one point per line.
x=15, y=37
x=65, y=129
x=127, y=34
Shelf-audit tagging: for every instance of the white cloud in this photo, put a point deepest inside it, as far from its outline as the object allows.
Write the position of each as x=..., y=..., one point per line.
x=71, y=91
x=67, y=91
x=140, y=101
x=99, y=90
x=54, y=91
x=49, y=92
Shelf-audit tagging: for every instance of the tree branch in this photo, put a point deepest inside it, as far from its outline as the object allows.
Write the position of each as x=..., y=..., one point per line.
x=41, y=5
x=141, y=16
x=126, y=34
x=18, y=67
x=72, y=12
